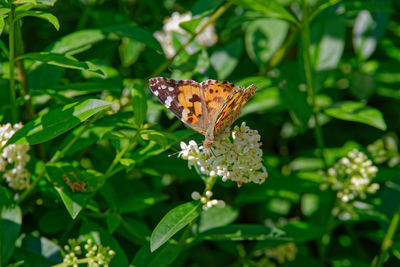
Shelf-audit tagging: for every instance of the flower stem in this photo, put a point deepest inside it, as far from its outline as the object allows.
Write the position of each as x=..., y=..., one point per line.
x=387, y=240
x=11, y=61
x=213, y=18
x=311, y=80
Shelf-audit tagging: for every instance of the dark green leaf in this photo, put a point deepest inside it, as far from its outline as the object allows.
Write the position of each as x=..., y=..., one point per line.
x=173, y=221
x=113, y=222
x=63, y=61
x=296, y=102
x=140, y=202
x=134, y=32
x=58, y=121
x=75, y=186
x=358, y=112
x=54, y=221
x=205, y=7
x=139, y=103
x=163, y=256
x=11, y=220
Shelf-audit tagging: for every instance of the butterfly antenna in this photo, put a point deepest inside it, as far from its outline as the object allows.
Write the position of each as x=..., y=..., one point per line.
x=170, y=155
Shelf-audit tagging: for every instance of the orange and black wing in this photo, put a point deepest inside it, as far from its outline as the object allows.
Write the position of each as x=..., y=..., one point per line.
x=184, y=98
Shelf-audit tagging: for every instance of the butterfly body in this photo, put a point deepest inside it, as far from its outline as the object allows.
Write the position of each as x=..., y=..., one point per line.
x=208, y=107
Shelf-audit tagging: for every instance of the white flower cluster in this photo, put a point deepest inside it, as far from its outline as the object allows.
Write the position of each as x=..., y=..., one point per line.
x=96, y=256
x=238, y=158
x=207, y=201
x=282, y=253
x=14, y=158
x=385, y=150
x=350, y=177
x=207, y=37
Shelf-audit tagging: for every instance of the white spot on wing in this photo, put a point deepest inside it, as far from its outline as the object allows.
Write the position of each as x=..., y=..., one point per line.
x=185, y=113
x=163, y=86
x=170, y=88
x=155, y=92
x=168, y=102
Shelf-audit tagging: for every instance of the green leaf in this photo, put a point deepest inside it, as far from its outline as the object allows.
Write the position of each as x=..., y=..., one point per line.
x=139, y=202
x=191, y=25
x=271, y=8
x=47, y=2
x=38, y=251
x=216, y=217
x=19, y=2
x=54, y=221
x=240, y=232
x=357, y=112
x=296, y=102
x=156, y=136
x=225, y=60
x=328, y=38
x=63, y=61
x=113, y=222
x=58, y=121
x=172, y=222
x=205, y=7
x=163, y=256
x=263, y=37
x=74, y=185
x=368, y=28
x=39, y=14
x=139, y=104
x=134, y=32
x=11, y=220
x=3, y=46
x=77, y=42
x=28, y=6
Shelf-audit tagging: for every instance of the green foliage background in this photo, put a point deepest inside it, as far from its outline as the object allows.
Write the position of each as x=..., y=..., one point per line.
x=76, y=74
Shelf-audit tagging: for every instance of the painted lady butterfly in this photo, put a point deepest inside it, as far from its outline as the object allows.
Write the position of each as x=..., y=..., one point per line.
x=208, y=107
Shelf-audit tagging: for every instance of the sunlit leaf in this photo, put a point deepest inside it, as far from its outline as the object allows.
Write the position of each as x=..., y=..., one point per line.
x=39, y=14
x=58, y=121
x=173, y=221
x=63, y=61
x=357, y=112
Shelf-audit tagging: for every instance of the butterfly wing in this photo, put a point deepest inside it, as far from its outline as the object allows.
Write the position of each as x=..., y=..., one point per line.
x=231, y=110
x=184, y=98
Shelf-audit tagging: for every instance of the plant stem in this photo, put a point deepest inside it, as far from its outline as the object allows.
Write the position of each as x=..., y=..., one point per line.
x=387, y=240
x=121, y=153
x=213, y=18
x=11, y=61
x=310, y=80
x=22, y=75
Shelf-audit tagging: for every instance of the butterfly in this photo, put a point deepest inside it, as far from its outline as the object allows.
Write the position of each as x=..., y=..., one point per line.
x=209, y=107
